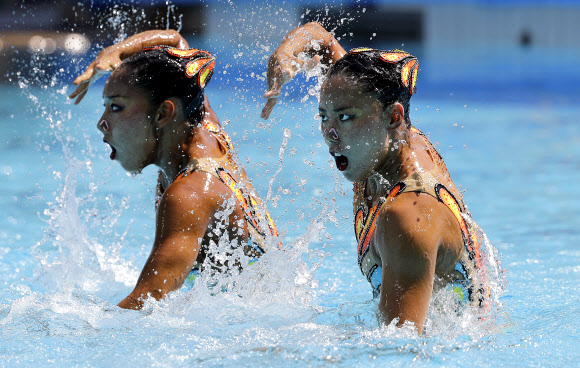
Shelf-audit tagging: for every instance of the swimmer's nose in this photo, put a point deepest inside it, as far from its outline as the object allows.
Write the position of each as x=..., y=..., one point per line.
x=330, y=135
x=103, y=125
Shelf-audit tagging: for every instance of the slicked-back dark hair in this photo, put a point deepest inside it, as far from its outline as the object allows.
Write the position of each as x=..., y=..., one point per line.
x=162, y=76
x=380, y=74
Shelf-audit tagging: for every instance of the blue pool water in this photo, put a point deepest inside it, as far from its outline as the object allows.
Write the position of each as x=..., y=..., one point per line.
x=76, y=231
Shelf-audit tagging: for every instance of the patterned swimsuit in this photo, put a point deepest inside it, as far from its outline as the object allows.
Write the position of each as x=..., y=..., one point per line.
x=259, y=223
x=468, y=277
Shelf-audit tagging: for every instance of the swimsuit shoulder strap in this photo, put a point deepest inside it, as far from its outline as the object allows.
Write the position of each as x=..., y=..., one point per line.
x=260, y=224
x=439, y=163
x=422, y=183
x=211, y=165
x=205, y=164
x=222, y=137
x=192, y=166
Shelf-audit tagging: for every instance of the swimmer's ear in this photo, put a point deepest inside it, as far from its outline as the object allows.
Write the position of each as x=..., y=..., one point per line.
x=395, y=115
x=165, y=113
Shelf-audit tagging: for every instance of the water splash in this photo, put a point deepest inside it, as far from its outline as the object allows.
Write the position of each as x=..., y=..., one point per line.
x=67, y=255
x=269, y=199
x=80, y=261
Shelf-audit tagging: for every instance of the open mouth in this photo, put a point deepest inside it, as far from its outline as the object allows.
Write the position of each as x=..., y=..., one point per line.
x=340, y=160
x=113, y=150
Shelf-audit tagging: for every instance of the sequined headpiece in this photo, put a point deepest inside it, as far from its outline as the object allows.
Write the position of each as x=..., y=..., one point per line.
x=406, y=64
x=200, y=64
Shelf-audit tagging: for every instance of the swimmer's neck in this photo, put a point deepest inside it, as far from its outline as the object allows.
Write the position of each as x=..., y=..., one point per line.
x=182, y=144
x=398, y=165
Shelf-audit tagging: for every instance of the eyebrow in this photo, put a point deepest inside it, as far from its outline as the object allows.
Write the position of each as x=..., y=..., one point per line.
x=337, y=110
x=111, y=97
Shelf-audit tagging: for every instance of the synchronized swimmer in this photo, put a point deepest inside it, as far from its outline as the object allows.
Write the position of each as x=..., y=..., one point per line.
x=156, y=112
x=413, y=230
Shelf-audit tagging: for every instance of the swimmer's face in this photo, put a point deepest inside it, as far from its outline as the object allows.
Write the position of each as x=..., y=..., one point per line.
x=354, y=127
x=127, y=123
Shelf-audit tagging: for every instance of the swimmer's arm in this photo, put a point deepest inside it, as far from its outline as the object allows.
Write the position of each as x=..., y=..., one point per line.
x=111, y=57
x=284, y=63
x=313, y=40
x=407, y=244
x=182, y=220
x=139, y=41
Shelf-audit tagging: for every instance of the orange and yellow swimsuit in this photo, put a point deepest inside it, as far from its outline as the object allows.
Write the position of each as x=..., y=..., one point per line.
x=468, y=277
x=259, y=223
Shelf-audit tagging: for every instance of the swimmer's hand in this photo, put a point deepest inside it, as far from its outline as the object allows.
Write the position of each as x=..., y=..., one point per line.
x=110, y=58
x=107, y=61
x=310, y=39
x=282, y=68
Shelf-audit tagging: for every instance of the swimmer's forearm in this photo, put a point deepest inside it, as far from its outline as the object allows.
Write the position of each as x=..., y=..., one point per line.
x=131, y=303
x=142, y=291
x=139, y=41
x=312, y=39
x=284, y=62
x=111, y=57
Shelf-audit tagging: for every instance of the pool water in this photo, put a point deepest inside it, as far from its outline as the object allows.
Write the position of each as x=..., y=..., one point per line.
x=76, y=230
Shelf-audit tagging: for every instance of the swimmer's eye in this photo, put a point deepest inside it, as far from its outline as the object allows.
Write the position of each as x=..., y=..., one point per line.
x=114, y=107
x=323, y=117
x=345, y=117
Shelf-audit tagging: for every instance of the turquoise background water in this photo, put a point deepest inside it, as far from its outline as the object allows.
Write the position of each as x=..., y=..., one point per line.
x=76, y=229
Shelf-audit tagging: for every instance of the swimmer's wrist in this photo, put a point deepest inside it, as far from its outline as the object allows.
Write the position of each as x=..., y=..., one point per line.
x=311, y=39
x=139, y=41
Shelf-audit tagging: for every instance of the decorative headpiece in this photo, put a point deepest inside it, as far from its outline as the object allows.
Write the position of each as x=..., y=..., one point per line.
x=407, y=64
x=201, y=62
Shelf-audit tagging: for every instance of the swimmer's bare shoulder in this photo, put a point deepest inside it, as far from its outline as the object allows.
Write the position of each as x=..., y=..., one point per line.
x=186, y=211
x=416, y=239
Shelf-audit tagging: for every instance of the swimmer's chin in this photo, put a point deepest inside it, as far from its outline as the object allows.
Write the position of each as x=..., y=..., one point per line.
x=353, y=177
x=131, y=171
x=349, y=177
x=134, y=173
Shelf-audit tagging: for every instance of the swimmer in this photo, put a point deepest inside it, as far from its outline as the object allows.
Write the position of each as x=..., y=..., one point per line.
x=414, y=233
x=156, y=113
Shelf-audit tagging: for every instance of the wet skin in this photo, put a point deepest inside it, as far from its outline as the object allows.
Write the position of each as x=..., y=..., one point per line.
x=129, y=127
x=359, y=121
x=417, y=239
x=140, y=135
